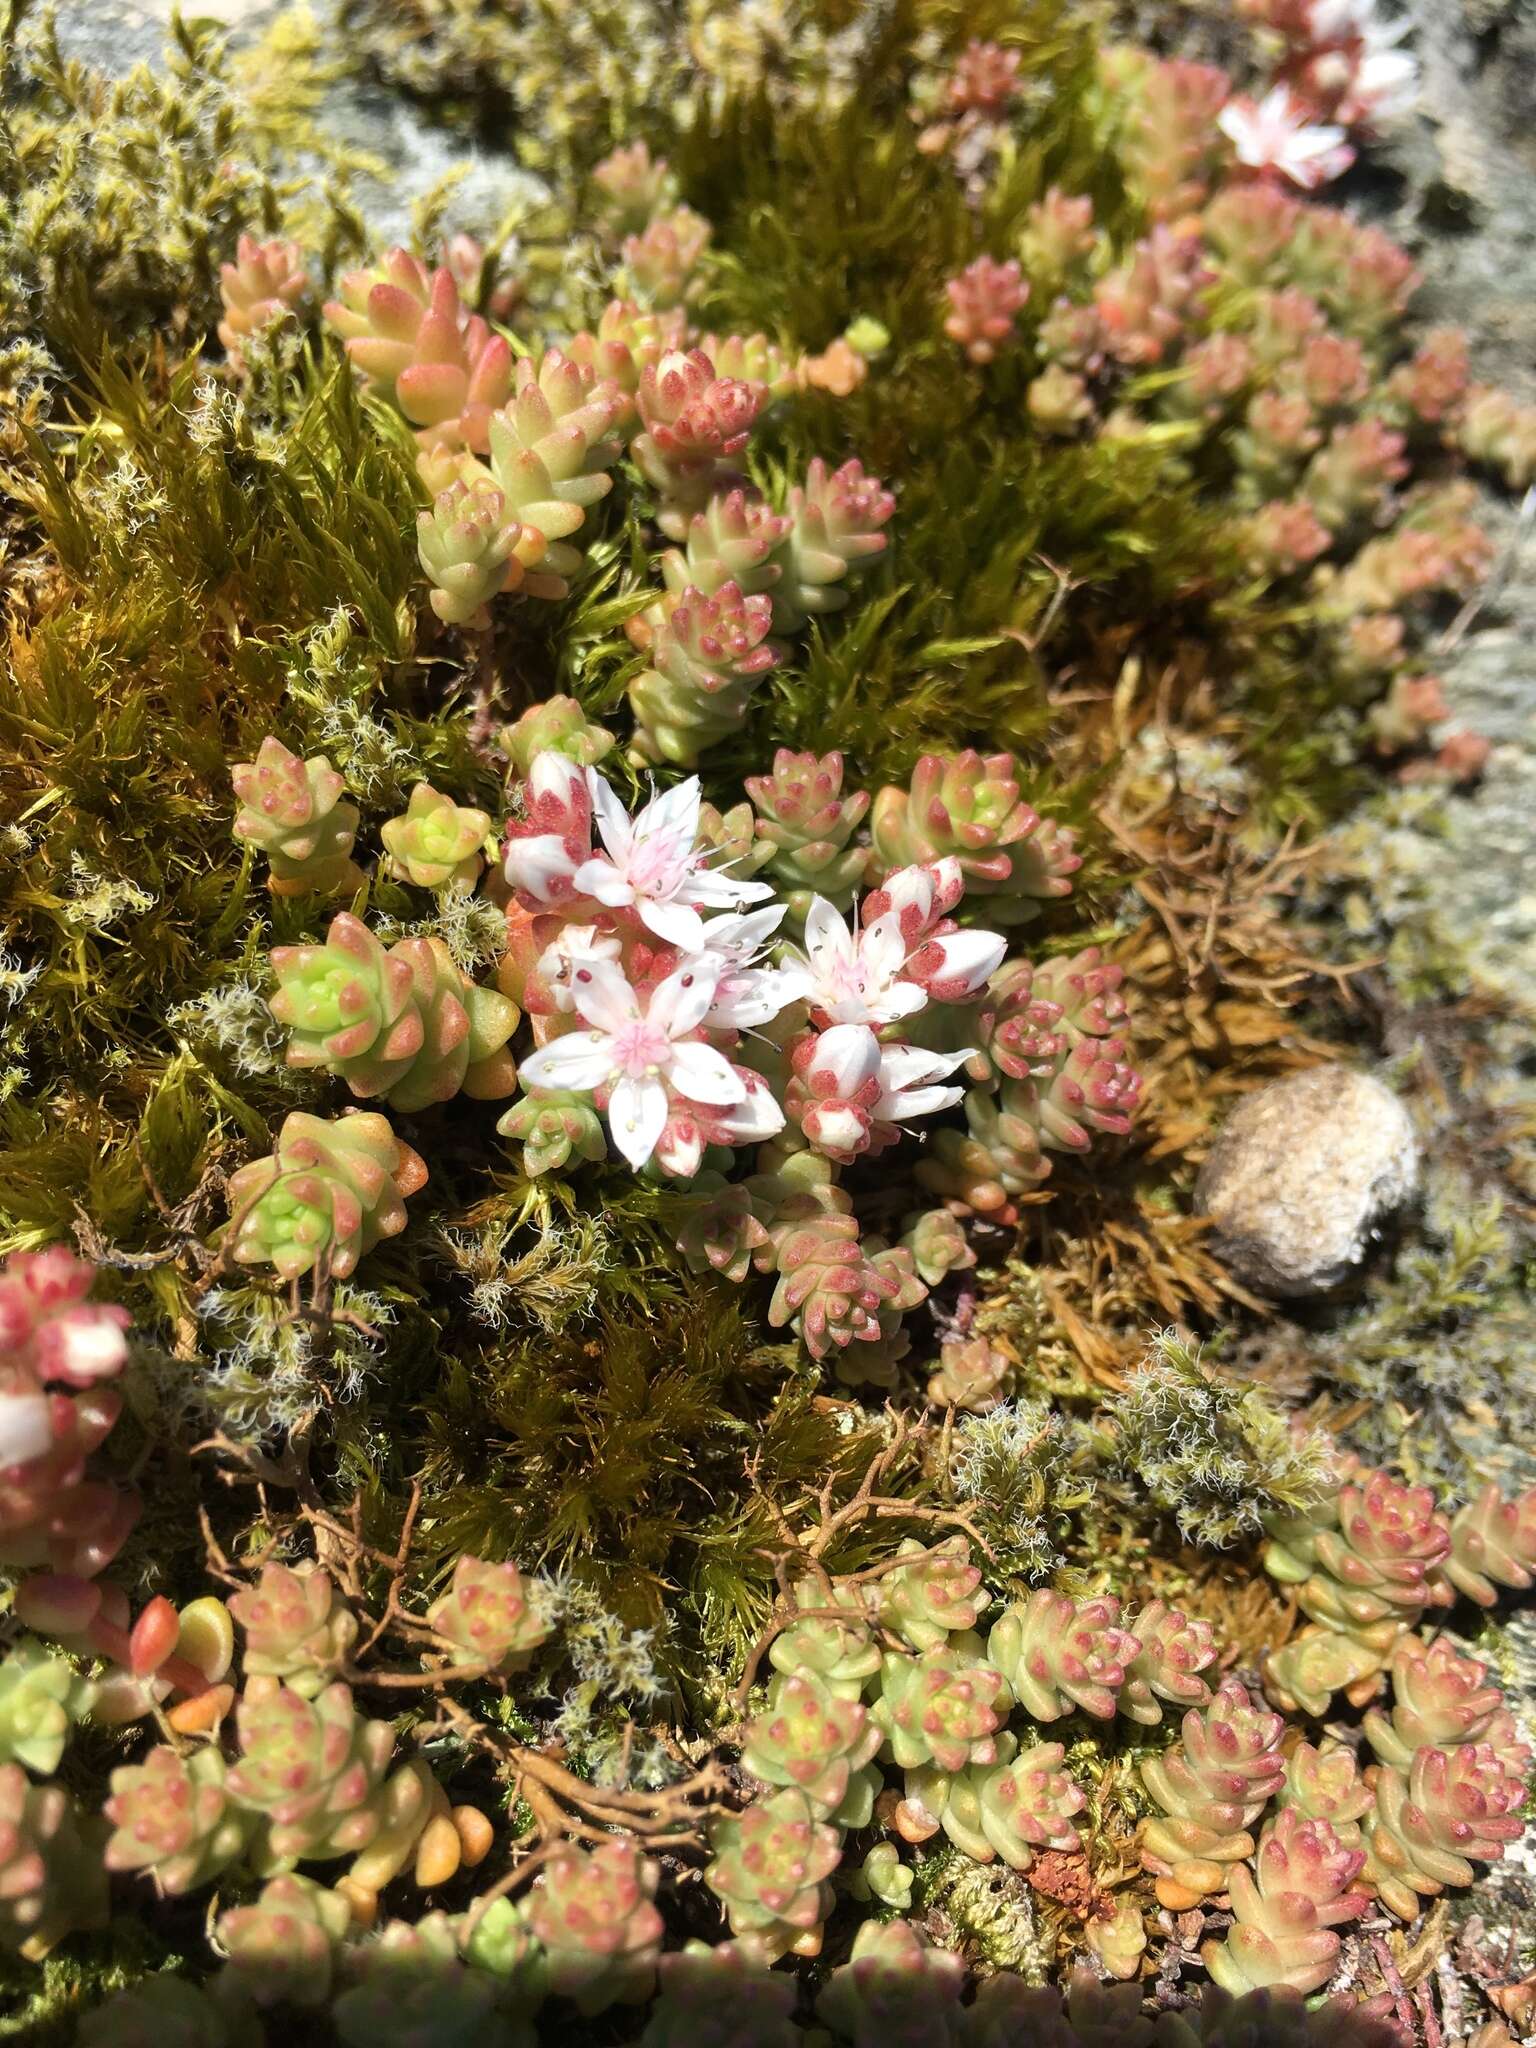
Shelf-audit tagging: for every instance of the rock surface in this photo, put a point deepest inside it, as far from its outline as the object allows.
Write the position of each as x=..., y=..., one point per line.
x=1301, y=1176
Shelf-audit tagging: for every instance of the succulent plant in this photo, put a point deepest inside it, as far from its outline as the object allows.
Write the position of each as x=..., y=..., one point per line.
x=632, y=185
x=1372, y=1573
x=167, y=2011
x=41, y=1698
x=1174, y=1651
x=939, y=1246
x=983, y=300
x=399, y=1021
x=804, y=816
x=707, y=654
x=1304, y=1674
x=662, y=259
x=628, y=342
x=944, y=1707
x=1428, y=1822
x=329, y=1191
x=694, y=421
x=592, y=1911
x=770, y=1865
x=291, y=810
x=52, y=1882
x=1325, y=1784
x=487, y=1613
x=720, y=1997
x=173, y=1819
x=969, y=805
x=1117, y=1935
x=1493, y=1544
x=1058, y=1653
x=896, y=1990
x=835, y=532
x=1008, y=1809
x=974, y=1374
x=1279, y=2018
x=821, y=1744
x=883, y=1876
x=436, y=843
x=554, y=1129
x=936, y=1595
x=295, y=1627
x=264, y=284
x=841, y=1652
x=556, y=726
x=549, y=455
x=311, y=1768
x=752, y=359
x=834, y=1291
x=468, y=549
x=1211, y=1786
x=719, y=1230
x=735, y=539
x=282, y=1947
x=1285, y=1909
x=1439, y=1698
x=409, y=338
x=415, y=1991
x=982, y=1170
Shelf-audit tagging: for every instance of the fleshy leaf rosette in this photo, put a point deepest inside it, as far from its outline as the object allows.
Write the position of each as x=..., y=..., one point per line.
x=841, y=1652
x=896, y=1988
x=969, y=805
x=264, y=284
x=1058, y=1653
x=1429, y=1822
x=1303, y=1675
x=1285, y=1909
x=735, y=539
x=282, y=1947
x=707, y=655
x=1008, y=1809
x=402, y=1022
x=468, y=548
x=555, y=1128
x=436, y=843
x=173, y=1820
x=946, y=1707
x=550, y=450
x=487, y=1613
x=720, y=1996
x=1439, y=1698
x=974, y=1374
x=328, y=1190
x=166, y=2011
x=694, y=423
x=557, y=726
x=311, y=1769
x=410, y=338
x=52, y=1881
x=937, y=1595
x=1493, y=1544
x=42, y=1696
x=770, y=1867
x=1325, y=1784
x=804, y=816
x=1174, y=1651
x=296, y=1628
x=982, y=1170
x=1372, y=1573
x=836, y=531
x=592, y=1910
x=628, y=342
x=1212, y=1785
x=291, y=810
x=809, y=1738
x=412, y=1985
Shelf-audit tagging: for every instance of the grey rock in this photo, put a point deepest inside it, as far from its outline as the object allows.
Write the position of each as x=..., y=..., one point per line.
x=1301, y=1176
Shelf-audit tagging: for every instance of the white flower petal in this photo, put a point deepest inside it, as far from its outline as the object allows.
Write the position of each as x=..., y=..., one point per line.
x=601, y=879
x=603, y=996
x=580, y=1061
x=637, y=1116
x=678, y=1004
x=751, y=1121
x=677, y=923
x=613, y=826
x=538, y=862
x=911, y=1102
x=846, y=1059
x=705, y=1075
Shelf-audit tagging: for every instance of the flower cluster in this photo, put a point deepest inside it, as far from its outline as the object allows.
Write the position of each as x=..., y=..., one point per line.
x=694, y=1036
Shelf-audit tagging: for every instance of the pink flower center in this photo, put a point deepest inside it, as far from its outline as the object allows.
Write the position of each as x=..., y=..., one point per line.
x=640, y=1049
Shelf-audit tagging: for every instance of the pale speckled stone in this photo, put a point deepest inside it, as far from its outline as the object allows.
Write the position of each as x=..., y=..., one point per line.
x=1302, y=1174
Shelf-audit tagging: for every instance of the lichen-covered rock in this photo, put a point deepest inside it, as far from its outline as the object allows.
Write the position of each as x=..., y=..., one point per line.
x=1303, y=1173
